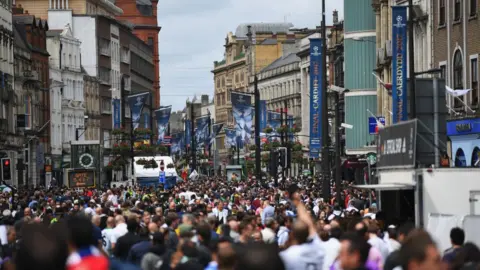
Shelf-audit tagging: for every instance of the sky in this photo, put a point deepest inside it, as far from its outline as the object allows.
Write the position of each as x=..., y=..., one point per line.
x=193, y=34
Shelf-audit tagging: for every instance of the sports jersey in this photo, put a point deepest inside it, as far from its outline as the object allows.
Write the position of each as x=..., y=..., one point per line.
x=107, y=235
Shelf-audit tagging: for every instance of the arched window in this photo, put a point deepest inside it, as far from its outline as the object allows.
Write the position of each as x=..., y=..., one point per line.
x=457, y=74
x=476, y=157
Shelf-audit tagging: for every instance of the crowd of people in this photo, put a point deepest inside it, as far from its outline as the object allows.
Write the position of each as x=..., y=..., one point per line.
x=214, y=225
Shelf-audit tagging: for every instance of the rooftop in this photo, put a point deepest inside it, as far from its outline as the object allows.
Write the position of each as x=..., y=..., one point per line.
x=242, y=29
x=282, y=61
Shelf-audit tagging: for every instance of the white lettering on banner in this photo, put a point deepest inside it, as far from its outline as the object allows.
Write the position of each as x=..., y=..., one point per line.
x=395, y=146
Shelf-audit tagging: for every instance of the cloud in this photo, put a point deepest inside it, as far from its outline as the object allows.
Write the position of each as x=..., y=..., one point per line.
x=193, y=34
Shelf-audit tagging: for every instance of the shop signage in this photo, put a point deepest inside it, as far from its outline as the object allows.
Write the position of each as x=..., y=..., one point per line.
x=463, y=127
x=397, y=145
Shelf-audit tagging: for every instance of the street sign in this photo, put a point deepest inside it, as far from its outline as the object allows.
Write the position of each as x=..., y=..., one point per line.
x=371, y=158
x=161, y=177
x=162, y=166
x=372, y=124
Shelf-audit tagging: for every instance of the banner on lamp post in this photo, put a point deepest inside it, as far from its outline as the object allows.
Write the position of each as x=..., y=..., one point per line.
x=162, y=116
x=263, y=115
x=316, y=71
x=136, y=103
x=242, y=111
x=399, y=63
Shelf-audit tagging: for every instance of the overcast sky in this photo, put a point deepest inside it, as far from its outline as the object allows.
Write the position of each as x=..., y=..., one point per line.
x=193, y=34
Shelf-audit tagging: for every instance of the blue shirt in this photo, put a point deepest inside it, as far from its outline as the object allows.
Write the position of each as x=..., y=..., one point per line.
x=268, y=212
x=137, y=251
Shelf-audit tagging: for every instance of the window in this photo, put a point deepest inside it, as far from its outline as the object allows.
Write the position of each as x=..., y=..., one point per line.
x=106, y=106
x=28, y=111
x=457, y=10
x=473, y=7
x=474, y=79
x=457, y=74
x=150, y=41
x=441, y=12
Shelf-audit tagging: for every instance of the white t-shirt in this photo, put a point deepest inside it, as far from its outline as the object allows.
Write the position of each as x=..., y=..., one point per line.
x=332, y=248
x=307, y=256
x=107, y=235
x=119, y=231
x=113, y=199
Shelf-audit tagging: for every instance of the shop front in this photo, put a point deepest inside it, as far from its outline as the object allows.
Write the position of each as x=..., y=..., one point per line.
x=464, y=135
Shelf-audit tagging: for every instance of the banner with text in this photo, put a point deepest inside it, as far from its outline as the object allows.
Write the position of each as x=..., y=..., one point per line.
x=316, y=83
x=396, y=145
x=243, y=114
x=176, y=146
x=162, y=116
x=399, y=63
x=116, y=113
x=136, y=103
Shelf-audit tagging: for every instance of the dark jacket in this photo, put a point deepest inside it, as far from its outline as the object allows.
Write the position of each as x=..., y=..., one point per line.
x=124, y=243
x=138, y=251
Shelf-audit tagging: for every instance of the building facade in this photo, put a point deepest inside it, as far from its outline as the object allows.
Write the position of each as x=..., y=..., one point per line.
x=279, y=84
x=252, y=48
x=91, y=87
x=36, y=102
x=423, y=42
x=68, y=101
x=142, y=16
x=10, y=138
x=359, y=58
x=456, y=47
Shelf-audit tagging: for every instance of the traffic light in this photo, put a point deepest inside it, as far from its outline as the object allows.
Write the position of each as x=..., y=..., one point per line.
x=282, y=157
x=6, y=170
x=273, y=162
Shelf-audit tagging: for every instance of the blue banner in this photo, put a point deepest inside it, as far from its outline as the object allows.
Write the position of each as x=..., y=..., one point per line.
x=316, y=71
x=230, y=138
x=176, y=147
x=116, y=113
x=215, y=130
x=263, y=115
x=162, y=116
x=399, y=63
x=242, y=111
x=136, y=103
x=201, y=133
x=188, y=133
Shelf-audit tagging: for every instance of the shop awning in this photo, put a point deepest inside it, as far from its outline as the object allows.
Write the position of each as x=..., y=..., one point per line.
x=389, y=186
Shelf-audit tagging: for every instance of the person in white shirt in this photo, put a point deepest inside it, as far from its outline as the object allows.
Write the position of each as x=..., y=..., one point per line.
x=307, y=250
x=220, y=213
x=376, y=241
x=268, y=234
x=107, y=235
x=332, y=245
x=119, y=230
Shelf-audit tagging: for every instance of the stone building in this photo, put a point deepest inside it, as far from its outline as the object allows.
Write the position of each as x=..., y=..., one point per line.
x=247, y=52
x=91, y=90
x=67, y=102
x=142, y=16
x=36, y=102
x=456, y=48
x=10, y=138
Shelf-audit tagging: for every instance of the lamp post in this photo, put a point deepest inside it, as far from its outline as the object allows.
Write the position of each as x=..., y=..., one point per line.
x=325, y=158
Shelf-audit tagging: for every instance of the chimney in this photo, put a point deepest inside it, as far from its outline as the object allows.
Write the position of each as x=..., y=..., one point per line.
x=335, y=16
